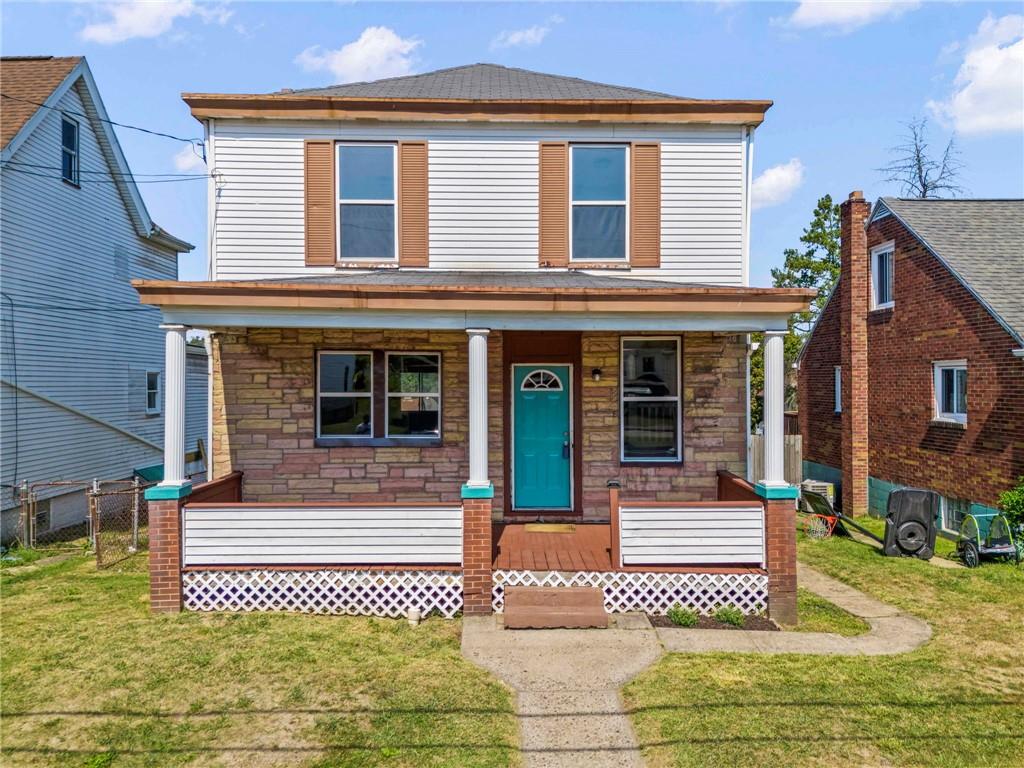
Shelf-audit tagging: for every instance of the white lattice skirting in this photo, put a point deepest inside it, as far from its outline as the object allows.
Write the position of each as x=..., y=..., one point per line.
x=356, y=592
x=650, y=592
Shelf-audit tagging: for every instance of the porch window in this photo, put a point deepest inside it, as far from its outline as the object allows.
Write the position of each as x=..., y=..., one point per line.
x=649, y=400
x=951, y=391
x=345, y=394
x=414, y=395
x=367, y=224
x=600, y=189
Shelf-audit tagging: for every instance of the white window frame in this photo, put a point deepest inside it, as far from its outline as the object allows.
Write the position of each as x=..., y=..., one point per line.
x=889, y=249
x=937, y=368
x=945, y=505
x=623, y=203
x=159, y=392
x=677, y=398
x=388, y=394
x=76, y=153
x=837, y=388
x=320, y=394
x=338, y=202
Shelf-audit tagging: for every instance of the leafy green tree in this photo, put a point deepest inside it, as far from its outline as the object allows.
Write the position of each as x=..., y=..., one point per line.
x=813, y=265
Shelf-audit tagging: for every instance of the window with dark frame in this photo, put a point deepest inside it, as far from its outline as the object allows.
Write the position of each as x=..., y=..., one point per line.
x=650, y=400
x=367, y=202
x=345, y=394
x=599, y=194
x=69, y=160
x=413, y=395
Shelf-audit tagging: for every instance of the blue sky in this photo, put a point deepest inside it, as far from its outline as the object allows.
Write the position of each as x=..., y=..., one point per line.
x=843, y=76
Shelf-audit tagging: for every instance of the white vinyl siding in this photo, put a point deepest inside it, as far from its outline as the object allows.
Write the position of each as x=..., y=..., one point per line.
x=69, y=253
x=327, y=535
x=483, y=195
x=692, y=535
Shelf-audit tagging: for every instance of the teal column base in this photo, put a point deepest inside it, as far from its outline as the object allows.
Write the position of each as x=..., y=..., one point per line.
x=165, y=492
x=475, y=492
x=776, y=491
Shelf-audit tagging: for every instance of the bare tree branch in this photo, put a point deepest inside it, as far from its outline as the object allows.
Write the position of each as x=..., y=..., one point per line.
x=917, y=172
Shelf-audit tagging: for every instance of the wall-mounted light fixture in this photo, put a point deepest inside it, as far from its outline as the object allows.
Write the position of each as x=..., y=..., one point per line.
x=596, y=374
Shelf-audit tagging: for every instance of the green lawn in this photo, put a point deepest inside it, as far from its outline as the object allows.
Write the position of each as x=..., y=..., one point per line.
x=816, y=614
x=957, y=701
x=91, y=678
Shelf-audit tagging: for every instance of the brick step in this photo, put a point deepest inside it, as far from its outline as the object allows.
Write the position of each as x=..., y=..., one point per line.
x=554, y=607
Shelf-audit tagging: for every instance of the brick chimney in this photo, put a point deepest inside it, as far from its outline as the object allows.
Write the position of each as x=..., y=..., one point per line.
x=854, y=286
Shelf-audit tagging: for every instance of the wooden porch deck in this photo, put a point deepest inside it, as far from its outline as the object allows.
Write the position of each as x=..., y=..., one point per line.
x=586, y=548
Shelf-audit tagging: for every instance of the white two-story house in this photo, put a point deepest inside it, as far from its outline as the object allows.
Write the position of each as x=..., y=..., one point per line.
x=449, y=307
x=82, y=362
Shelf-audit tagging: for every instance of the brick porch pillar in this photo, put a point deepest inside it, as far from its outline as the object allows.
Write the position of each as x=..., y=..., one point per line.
x=780, y=557
x=476, y=556
x=854, y=296
x=164, y=555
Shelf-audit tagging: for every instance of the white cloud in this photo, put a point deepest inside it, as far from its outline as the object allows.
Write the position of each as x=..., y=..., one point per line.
x=188, y=160
x=777, y=184
x=378, y=53
x=525, y=38
x=127, y=20
x=988, y=91
x=846, y=15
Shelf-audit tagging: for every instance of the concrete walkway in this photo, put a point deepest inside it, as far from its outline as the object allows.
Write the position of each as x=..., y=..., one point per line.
x=892, y=631
x=567, y=681
x=567, y=685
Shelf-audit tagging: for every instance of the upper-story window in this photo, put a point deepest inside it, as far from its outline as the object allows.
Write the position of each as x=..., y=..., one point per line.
x=367, y=224
x=152, y=392
x=69, y=160
x=951, y=390
x=599, y=194
x=882, y=263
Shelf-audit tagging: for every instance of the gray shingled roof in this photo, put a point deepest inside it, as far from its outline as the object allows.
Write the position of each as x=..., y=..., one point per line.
x=982, y=244
x=484, y=278
x=484, y=81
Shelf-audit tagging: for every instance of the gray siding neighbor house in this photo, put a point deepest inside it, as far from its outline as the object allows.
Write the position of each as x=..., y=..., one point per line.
x=82, y=360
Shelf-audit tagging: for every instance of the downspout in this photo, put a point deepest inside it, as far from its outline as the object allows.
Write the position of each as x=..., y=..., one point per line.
x=748, y=171
x=211, y=211
x=208, y=343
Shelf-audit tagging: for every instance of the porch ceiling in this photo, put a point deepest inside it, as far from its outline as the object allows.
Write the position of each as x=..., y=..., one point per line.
x=570, y=300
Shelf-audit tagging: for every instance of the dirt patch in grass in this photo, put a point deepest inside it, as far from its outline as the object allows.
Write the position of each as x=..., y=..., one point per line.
x=759, y=623
x=957, y=701
x=90, y=677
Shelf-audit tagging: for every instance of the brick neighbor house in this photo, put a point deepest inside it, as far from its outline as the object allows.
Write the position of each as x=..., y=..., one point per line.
x=449, y=307
x=914, y=373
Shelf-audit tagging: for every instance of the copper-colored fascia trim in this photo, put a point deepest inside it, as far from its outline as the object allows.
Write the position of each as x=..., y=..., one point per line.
x=304, y=107
x=464, y=298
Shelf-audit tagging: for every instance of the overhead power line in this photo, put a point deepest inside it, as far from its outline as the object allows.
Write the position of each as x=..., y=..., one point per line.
x=10, y=169
x=133, y=176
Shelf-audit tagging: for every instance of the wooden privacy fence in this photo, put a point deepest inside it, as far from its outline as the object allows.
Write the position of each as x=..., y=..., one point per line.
x=321, y=534
x=793, y=449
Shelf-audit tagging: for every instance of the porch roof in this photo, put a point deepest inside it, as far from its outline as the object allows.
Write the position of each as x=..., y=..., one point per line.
x=428, y=291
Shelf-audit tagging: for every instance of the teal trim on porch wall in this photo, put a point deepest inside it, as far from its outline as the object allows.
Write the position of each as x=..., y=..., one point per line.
x=878, y=495
x=164, y=492
x=777, y=491
x=472, y=492
x=822, y=472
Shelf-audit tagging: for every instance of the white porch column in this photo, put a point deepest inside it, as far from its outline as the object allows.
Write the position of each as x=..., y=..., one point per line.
x=174, y=406
x=774, y=406
x=478, y=477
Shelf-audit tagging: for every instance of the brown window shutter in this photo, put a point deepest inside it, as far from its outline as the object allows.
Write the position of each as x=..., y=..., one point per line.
x=321, y=203
x=645, y=206
x=554, y=204
x=413, y=234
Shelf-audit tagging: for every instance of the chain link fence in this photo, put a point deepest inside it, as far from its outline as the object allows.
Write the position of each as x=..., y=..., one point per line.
x=108, y=517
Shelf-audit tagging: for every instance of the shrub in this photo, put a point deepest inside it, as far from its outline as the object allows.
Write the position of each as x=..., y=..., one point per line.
x=682, y=617
x=1011, y=503
x=728, y=614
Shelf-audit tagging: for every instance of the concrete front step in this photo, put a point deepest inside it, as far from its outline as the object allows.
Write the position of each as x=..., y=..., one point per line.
x=554, y=608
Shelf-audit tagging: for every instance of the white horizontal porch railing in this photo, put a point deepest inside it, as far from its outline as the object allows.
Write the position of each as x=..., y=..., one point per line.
x=716, y=532
x=315, y=534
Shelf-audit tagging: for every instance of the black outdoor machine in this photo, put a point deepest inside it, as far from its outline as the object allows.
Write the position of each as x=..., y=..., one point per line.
x=909, y=522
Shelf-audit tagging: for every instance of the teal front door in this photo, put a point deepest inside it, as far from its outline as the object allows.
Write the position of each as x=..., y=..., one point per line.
x=541, y=437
